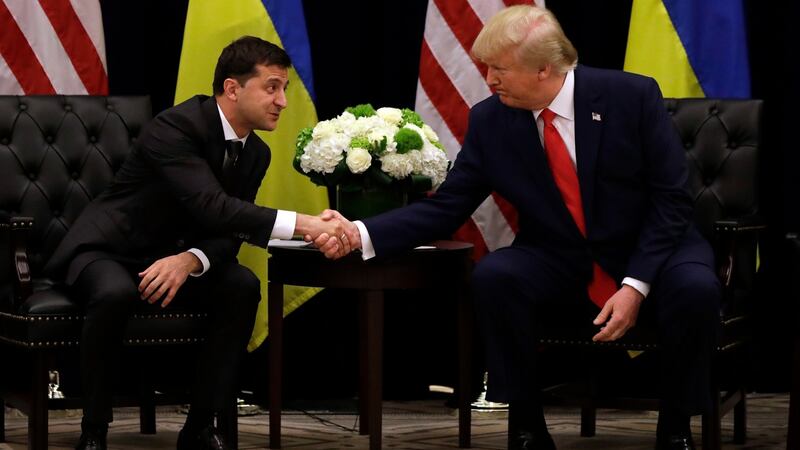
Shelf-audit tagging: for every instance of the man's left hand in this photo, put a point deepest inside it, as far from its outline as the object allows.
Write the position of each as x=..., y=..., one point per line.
x=619, y=314
x=164, y=277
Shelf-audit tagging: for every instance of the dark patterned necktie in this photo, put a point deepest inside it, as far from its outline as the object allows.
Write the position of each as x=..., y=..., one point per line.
x=233, y=149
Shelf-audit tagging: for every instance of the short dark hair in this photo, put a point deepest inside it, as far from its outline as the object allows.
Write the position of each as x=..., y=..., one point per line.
x=239, y=59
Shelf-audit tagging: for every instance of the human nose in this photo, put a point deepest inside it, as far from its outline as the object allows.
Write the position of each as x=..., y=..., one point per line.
x=491, y=77
x=280, y=99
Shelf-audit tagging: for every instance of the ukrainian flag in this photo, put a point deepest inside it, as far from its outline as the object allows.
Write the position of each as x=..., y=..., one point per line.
x=692, y=48
x=210, y=26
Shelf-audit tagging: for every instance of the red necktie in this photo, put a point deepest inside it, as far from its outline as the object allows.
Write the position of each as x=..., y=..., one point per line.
x=602, y=286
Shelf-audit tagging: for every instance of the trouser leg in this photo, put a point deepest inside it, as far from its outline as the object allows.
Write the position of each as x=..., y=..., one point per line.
x=110, y=294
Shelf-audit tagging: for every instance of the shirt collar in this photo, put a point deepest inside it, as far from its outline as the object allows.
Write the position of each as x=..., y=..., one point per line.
x=227, y=129
x=564, y=103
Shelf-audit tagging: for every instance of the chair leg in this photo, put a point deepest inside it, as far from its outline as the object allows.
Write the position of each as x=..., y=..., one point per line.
x=740, y=420
x=2, y=420
x=588, y=420
x=228, y=424
x=37, y=419
x=712, y=439
x=147, y=411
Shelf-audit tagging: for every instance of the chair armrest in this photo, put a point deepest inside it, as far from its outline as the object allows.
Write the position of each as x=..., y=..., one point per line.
x=753, y=223
x=736, y=250
x=20, y=228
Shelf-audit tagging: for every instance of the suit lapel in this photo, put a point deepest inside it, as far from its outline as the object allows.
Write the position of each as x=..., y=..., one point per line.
x=589, y=113
x=215, y=145
x=528, y=146
x=531, y=154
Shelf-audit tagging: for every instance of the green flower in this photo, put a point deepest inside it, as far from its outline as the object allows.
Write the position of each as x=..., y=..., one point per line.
x=365, y=110
x=410, y=116
x=407, y=140
x=360, y=142
x=438, y=145
x=303, y=138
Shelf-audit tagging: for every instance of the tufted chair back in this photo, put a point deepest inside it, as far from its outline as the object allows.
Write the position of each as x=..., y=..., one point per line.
x=721, y=138
x=57, y=153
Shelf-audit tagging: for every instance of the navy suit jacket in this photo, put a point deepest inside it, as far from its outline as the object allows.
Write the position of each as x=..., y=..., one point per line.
x=631, y=168
x=168, y=197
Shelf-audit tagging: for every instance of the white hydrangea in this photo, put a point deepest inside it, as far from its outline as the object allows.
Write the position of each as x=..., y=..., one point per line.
x=396, y=165
x=431, y=161
x=322, y=155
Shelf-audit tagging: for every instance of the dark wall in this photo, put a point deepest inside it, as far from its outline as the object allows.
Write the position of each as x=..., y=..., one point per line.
x=368, y=51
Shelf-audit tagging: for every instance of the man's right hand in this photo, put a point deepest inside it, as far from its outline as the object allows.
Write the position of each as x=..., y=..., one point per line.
x=326, y=231
x=331, y=246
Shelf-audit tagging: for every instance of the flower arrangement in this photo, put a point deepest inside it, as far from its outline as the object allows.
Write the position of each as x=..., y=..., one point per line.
x=365, y=148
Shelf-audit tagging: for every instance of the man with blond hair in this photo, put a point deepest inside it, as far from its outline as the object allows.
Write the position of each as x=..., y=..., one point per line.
x=591, y=162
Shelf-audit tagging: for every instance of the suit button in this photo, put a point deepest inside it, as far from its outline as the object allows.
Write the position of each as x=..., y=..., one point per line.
x=247, y=236
x=241, y=235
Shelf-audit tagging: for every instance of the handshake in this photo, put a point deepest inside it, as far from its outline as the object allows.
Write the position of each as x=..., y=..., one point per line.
x=331, y=232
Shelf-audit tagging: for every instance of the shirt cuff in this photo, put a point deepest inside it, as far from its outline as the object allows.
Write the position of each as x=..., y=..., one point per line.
x=367, y=250
x=203, y=260
x=641, y=286
x=284, y=225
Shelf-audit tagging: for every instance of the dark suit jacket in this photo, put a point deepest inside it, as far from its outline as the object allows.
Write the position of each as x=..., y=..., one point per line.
x=631, y=169
x=168, y=197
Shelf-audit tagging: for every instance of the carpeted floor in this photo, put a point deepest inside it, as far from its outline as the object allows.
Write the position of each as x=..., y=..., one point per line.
x=418, y=425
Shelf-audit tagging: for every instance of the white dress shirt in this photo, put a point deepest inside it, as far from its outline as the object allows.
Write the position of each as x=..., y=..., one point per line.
x=284, y=222
x=563, y=105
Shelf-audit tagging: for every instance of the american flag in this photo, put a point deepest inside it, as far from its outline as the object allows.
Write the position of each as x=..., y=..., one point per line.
x=52, y=47
x=450, y=83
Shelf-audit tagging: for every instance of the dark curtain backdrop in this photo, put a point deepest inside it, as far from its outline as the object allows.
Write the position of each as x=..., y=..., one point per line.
x=366, y=51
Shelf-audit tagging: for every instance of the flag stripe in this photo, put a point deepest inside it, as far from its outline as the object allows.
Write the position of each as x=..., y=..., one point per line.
x=21, y=60
x=8, y=82
x=78, y=45
x=91, y=18
x=443, y=94
x=485, y=9
x=494, y=228
x=290, y=23
x=431, y=115
x=454, y=59
x=508, y=212
x=463, y=23
x=47, y=47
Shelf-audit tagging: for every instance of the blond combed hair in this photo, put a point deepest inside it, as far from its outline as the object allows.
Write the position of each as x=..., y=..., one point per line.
x=533, y=33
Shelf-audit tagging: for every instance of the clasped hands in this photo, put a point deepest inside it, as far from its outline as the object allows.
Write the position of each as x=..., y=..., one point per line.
x=333, y=234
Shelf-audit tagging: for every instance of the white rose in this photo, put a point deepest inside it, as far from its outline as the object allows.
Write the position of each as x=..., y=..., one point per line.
x=358, y=160
x=429, y=133
x=391, y=115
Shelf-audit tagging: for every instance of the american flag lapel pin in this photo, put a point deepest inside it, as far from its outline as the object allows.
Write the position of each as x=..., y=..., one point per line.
x=596, y=116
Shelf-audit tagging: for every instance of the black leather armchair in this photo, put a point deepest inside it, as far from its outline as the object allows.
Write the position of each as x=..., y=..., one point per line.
x=722, y=139
x=56, y=154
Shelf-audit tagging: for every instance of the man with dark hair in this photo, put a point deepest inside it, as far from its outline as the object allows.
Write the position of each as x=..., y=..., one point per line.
x=592, y=163
x=168, y=230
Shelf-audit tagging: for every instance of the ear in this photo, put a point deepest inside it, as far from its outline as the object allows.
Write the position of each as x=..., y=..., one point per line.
x=544, y=72
x=229, y=89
